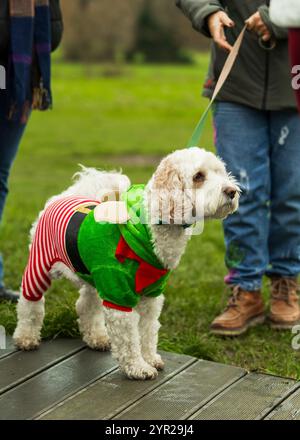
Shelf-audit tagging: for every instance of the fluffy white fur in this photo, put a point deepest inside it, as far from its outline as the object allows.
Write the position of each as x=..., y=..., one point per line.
x=133, y=336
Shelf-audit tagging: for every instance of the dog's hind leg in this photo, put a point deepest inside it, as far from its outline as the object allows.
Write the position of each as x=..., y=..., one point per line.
x=91, y=319
x=150, y=310
x=123, y=330
x=27, y=335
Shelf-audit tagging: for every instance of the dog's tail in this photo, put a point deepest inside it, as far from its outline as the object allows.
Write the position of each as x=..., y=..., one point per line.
x=94, y=184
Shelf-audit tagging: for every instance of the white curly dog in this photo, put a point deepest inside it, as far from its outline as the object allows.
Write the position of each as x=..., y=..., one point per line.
x=133, y=337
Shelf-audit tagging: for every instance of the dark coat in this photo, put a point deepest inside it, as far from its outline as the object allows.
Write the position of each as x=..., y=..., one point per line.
x=56, y=27
x=259, y=78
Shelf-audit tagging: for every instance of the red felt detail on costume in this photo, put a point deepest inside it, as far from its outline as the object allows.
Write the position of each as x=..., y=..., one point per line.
x=115, y=306
x=146, y=273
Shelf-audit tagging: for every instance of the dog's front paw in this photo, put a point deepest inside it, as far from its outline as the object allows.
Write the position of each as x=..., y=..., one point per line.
x=156, y=362
x=97, y=342
x=140, y=371
x=27, y=343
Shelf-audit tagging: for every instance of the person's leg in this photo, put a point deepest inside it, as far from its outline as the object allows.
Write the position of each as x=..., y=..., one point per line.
x=242, y=141
x=10, y=137
x=284, y=237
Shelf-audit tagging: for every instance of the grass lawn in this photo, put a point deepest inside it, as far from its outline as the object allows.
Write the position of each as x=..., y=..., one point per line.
x=129, y=120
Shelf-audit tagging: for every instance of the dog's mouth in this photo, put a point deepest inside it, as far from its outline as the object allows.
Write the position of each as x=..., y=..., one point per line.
x=227, y=208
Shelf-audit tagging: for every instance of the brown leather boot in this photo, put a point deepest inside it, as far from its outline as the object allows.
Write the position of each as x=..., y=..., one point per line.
x=285, y=309
x=244, y=310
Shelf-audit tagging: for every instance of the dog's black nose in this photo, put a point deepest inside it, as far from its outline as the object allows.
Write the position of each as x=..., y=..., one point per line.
x=230, y=192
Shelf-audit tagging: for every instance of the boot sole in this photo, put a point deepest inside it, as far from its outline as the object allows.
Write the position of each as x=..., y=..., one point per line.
x=282, y=325
x=260, y=319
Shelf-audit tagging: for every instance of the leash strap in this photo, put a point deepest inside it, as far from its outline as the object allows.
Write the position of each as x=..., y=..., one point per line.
x=223, y=76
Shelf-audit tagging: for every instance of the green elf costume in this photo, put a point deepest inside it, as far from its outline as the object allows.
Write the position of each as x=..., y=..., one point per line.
x=117, y=259
x=120, y=258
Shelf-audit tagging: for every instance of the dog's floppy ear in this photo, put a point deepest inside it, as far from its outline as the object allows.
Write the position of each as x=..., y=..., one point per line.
x=167, y=176
x=168, y=185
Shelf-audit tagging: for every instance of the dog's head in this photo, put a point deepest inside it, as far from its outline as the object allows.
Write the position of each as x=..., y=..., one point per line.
x=192, y=184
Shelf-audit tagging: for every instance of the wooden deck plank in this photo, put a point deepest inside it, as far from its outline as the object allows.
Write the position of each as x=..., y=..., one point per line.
x=21, y=365
x=46, y=389
x=289, y=409
x=10, y=348
x=108, y=396
x=250, y=398
x=65, y=380
x=185, y=393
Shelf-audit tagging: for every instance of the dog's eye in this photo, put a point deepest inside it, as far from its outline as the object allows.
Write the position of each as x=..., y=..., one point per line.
x=199, y=177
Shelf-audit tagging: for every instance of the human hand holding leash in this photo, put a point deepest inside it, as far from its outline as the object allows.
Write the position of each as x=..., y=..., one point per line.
x=256, y=24
x=216, y=23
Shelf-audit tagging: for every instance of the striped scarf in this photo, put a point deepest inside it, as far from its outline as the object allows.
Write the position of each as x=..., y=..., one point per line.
x=29, y=67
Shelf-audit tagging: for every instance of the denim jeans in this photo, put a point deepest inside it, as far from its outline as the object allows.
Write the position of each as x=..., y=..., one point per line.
x=262, y=150
x=10, y=137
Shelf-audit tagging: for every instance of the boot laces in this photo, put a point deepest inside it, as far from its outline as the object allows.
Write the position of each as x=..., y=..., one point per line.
x=234, y=297
x=283, y=288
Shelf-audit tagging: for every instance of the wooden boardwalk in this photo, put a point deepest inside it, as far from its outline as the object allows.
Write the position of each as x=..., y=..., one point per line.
x=66, y=380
